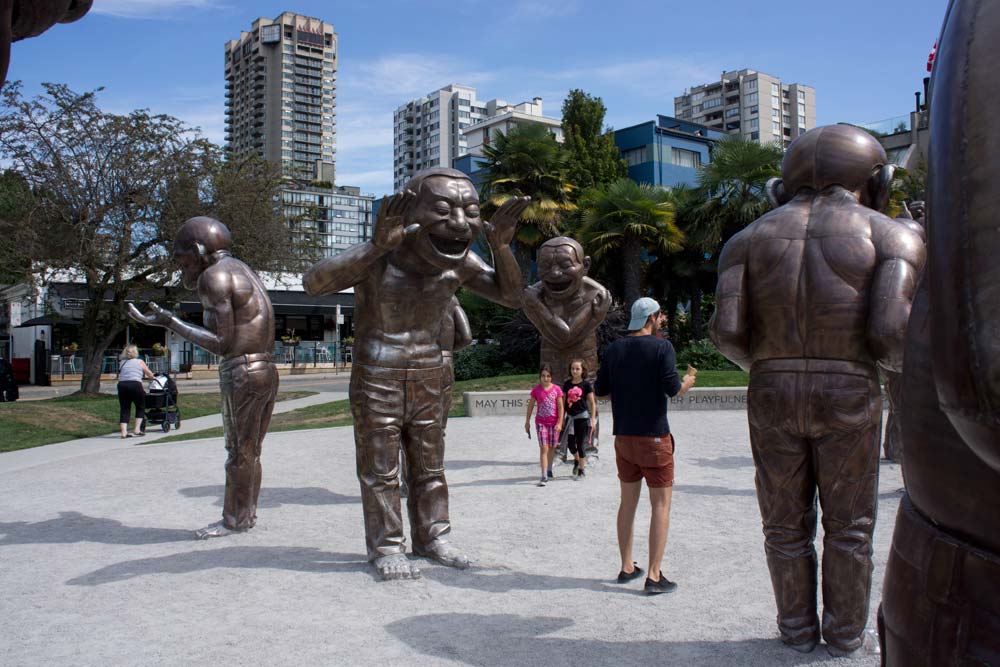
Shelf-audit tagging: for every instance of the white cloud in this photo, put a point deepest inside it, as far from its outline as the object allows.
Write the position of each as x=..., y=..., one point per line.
x=407, y=75
x=149, y=9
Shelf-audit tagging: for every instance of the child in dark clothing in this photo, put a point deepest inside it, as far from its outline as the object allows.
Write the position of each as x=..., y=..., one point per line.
x=581, y=407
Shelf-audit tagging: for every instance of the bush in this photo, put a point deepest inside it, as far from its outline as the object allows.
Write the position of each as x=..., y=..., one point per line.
x=703, y=355
x=483, y=361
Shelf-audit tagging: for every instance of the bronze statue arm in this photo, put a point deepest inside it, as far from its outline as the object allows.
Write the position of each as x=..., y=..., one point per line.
x=554, y=328
x=729, y=327
x=463, y=330
x=502, y=284
x=901, y=257
x=216, y=299
x=335, y=274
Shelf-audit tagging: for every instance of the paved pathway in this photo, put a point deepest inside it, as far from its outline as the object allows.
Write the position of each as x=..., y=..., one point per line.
x=98, y=565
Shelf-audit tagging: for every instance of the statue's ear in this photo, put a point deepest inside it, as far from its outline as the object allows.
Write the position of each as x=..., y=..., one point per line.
x=775, y=189
x=880, y=186
x=199, y=248
x=586, y=264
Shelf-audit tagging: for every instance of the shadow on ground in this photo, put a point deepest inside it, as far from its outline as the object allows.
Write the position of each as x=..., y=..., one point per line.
x=501, y=580
x=297, y=559
x=497, y=640
x=73, y=527
x=271, y=497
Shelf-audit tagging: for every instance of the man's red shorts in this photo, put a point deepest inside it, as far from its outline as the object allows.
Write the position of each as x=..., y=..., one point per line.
x=650, y=457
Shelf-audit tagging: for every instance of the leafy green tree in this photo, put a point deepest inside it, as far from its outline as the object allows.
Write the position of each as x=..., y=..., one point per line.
x=528, y=162
x=732, y=187
x=17, y=203
x=593, y=157
x=110, y=192
x=634, y=219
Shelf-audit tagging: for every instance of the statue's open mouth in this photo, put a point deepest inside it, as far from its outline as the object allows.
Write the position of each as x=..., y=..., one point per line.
x=559, y=286
x=449, y=245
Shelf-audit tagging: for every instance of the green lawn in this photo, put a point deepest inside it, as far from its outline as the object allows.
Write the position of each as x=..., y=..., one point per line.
x=338, y=413
x=27, y=424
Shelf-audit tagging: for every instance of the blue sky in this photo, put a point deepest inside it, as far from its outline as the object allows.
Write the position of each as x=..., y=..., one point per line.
x=865, y=59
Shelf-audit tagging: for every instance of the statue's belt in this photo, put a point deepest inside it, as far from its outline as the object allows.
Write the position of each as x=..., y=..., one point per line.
x=403, y=374
x=955, y=571
x=245, y=360
x=841, y=366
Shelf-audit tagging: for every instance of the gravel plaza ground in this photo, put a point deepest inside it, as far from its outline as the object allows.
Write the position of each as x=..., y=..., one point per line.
x=98, y=564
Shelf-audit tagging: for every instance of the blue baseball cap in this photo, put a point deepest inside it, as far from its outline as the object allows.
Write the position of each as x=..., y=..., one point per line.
x=641, y=310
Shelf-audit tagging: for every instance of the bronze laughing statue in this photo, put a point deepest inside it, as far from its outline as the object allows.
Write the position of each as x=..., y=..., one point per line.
x=566, y=306
x=810, y=297
x=239, y=324
x=404, y=280
x=941, y=597
x=21, y=19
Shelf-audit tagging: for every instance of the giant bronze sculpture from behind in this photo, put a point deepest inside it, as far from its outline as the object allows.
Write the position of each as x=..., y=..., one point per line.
x=239, y=327
x=941, y=597
x=21, y=19
x=810, y=297
x=404, y=281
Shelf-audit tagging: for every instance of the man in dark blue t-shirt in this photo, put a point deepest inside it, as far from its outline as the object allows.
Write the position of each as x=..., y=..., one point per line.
x=639, y=372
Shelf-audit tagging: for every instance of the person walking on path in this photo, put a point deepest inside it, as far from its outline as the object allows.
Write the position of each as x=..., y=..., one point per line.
x=131, y=373
x=548, y=419
x=581, y=408
x=639, y=372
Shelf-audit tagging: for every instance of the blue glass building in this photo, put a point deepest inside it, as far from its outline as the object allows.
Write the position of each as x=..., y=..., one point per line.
x=667, y=151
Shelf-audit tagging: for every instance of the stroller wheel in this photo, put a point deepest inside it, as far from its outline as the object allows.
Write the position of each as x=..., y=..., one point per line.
x=165, y=425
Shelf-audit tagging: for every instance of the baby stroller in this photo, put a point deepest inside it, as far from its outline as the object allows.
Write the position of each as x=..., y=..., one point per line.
x=161, y=403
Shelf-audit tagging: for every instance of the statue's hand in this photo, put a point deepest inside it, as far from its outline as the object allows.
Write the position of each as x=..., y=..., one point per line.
x=602, y=301
x=500, y=230
x=390, y=224
x=156, y=316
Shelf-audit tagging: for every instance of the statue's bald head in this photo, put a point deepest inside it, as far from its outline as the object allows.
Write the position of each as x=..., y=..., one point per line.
x=208, y=233
x=565, y=241
x=841, y=155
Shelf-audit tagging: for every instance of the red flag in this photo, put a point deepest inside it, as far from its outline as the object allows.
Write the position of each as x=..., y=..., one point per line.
x=930, y=58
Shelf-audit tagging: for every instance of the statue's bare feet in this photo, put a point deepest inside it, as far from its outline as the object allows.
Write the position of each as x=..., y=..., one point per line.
x=445, y=553
x=217, y=529
x=396, y=566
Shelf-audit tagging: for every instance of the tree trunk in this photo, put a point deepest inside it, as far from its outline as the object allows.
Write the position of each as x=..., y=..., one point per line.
x=696, y=325
x=631, y=271
x=96, y=339
x=671, y=306
x=524, y=255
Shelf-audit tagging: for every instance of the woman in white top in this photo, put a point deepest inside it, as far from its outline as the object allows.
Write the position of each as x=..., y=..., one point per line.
x=131, y=373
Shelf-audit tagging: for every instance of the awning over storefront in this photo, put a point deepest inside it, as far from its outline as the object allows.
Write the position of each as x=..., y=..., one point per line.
x=49, y=320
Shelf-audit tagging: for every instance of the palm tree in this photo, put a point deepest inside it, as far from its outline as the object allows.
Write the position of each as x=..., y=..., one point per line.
x=732, y=186
x=632, y=219
x=528, y=162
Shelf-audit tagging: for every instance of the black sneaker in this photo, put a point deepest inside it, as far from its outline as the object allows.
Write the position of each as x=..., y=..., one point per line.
x=549, y=473
x=581, y=473
x=625, y=577
x=576, y=467
x=664, y=585
x=542, y=481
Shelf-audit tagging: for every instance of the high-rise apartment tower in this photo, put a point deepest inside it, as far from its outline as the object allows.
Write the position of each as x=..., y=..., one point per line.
x=281, y=82
x=428, y=131
x=755, y=105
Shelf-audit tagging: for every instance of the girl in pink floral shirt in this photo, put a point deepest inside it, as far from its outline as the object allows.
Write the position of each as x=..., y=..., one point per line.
x=548, y=419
